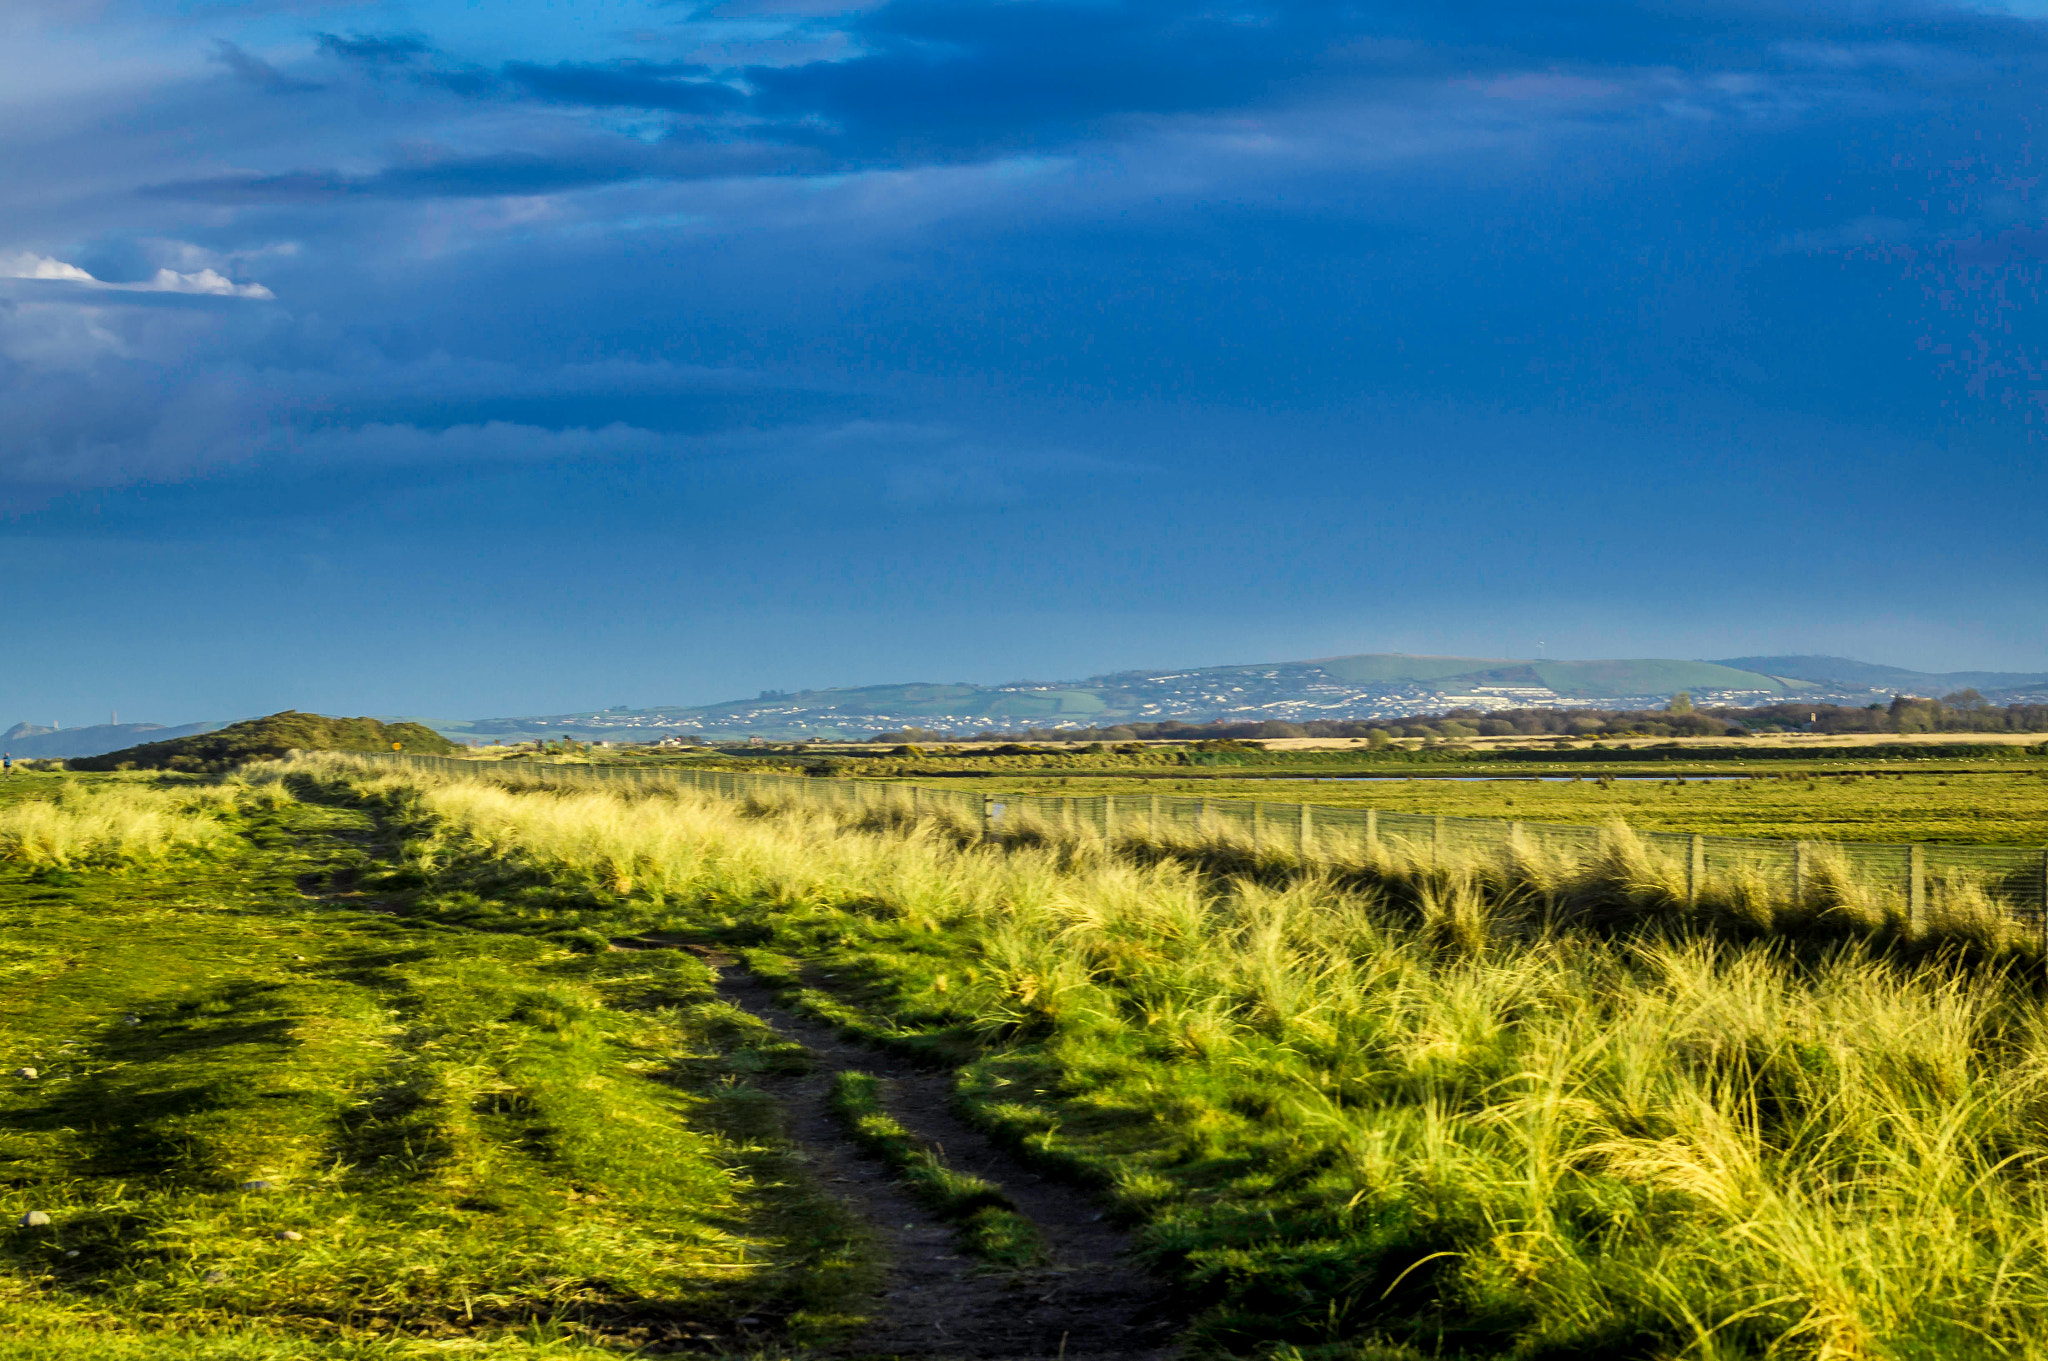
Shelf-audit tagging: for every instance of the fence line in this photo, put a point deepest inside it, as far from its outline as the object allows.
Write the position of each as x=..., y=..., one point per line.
x=1912, y=881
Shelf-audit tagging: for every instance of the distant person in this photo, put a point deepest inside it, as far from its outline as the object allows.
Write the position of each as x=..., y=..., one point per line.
x=6, y=763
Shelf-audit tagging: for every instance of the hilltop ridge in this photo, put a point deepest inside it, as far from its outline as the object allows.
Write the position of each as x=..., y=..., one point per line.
x=1360, y=686
x=32, y=741
x=1849, y=671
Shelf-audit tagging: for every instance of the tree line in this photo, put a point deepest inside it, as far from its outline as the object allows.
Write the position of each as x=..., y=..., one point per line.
x=1963, y=711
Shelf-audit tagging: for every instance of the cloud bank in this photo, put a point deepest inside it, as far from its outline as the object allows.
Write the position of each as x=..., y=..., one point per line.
x=1162, y=302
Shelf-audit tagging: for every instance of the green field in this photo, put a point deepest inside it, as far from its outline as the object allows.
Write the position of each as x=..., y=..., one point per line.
x=2004, y=807
x=332, y=1060
x=276, y=1115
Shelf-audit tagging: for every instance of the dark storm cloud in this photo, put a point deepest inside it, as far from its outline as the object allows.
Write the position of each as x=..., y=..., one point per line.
x=677, y=87
x=389, y=49
x=634, y=85
x=954, y=77
x=941, y=80
x=465, y=177
x=1689, y=32
x=961, y=75
x=255, y=71
x=586, y=165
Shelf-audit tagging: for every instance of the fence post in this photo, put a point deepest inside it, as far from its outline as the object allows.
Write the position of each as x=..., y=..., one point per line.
x=988, y=813
x=1514, y=836
x=1108, y=817
x=2044, y=901
x=1916, y=885
x=1152, y=817
x=1258, y=824
x=1372, y=832
x=1695, y=870
x=1798, y=873
x=1201, y=817
x=1436, y=840
x=1303, y=831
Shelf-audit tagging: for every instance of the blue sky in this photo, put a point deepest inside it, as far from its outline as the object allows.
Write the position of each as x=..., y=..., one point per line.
x=462, y=359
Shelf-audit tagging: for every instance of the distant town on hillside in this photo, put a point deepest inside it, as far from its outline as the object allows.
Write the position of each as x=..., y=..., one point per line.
x=1370, y=686
x=1367, y=686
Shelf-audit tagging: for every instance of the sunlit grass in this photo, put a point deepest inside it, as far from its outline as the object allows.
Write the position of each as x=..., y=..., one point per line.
x=1991, y=807
x=71, y=822
x=1546, y=1110
x=265, y=1125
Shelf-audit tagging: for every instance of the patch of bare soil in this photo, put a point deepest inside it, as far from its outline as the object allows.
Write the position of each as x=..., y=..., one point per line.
x=1092, y=1303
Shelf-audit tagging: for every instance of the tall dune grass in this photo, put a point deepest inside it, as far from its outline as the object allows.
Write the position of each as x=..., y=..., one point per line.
x=1625, y=883
x=1422, y=1109
x=107, y=823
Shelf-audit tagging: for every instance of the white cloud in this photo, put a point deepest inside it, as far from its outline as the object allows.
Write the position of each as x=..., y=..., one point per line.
x=26, y=266
x=205, y=281
x=211, y=282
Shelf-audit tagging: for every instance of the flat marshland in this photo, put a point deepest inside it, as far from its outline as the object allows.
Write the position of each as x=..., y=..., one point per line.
x=1378, y=1109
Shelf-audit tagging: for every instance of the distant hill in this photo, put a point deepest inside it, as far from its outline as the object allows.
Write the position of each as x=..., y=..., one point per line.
x=1583, y=680
x=1368, y=685
x=256, y=739
x=1848, y=671
x=30, y=741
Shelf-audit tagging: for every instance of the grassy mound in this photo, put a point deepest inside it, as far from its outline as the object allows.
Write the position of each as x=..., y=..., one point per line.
x=256, y=739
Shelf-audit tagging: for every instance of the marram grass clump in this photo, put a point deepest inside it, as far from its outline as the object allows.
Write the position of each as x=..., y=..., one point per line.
x=72, y=823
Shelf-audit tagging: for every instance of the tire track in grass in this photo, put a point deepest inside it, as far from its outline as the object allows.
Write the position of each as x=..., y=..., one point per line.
x=1089, y=1302
x=978, y=1209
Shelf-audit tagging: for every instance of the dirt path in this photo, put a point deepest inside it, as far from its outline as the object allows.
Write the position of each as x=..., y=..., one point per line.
x=938, y=1303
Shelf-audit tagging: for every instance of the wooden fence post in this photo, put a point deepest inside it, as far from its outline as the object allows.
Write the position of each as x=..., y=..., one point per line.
x=1258, y=824
x=1798, y=873
x=1916, y=886
x=1436, y=839
x=1152, y=816
x=1372, y=831
x=1303, y=832
x=2044, y=901
x=1695, y=870
x=988, y=814
x=1108, y=816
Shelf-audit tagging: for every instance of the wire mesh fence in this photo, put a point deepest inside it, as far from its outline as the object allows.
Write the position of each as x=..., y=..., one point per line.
x=1915, y=883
